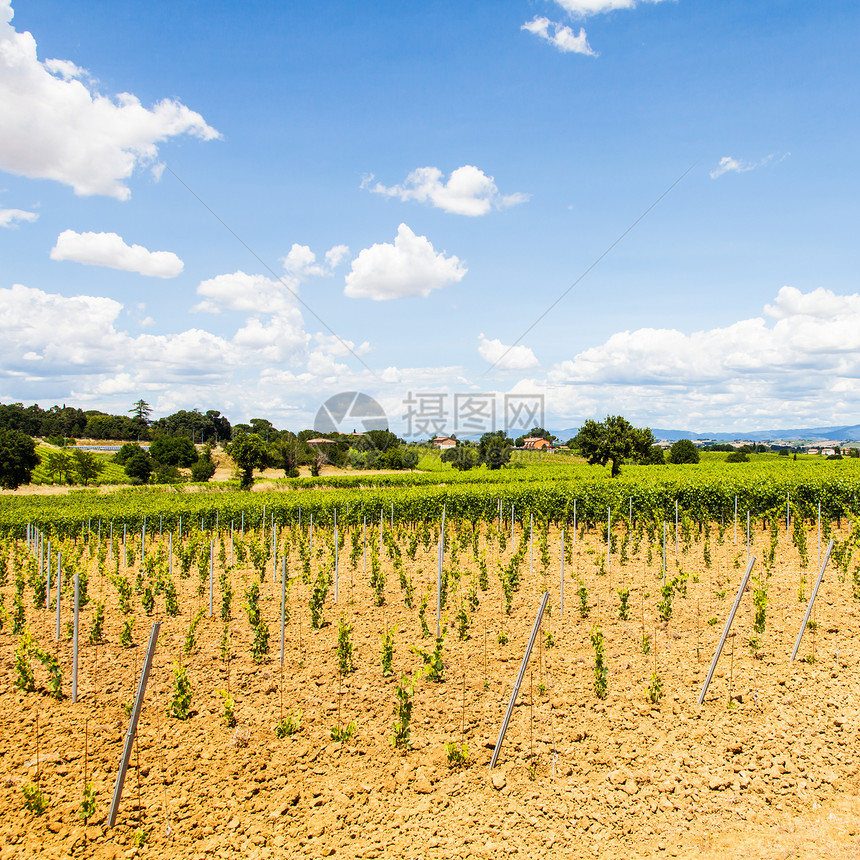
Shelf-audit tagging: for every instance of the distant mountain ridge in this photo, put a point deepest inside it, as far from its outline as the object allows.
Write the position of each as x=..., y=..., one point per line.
x=844, y=433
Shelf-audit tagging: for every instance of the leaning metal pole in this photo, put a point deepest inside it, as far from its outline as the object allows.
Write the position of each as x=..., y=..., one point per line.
x=812, y=599
x=728, y=627
x=132, y=725
x=519, y=680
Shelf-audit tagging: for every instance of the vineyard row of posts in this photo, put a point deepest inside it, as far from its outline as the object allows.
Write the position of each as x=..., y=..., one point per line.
x=154, y=574
x=544, y=494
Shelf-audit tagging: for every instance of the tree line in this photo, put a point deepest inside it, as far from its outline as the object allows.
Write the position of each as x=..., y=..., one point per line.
x=61, y=423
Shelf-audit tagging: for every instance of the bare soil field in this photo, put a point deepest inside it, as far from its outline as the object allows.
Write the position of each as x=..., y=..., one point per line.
x=766, y=767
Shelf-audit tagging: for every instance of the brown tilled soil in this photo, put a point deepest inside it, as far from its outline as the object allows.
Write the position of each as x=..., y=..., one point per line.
x=770, y=772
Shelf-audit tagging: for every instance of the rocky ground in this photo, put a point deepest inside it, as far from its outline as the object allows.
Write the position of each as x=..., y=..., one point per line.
x=766, y=767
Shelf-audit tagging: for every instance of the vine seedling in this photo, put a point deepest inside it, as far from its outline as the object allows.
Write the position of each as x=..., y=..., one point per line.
x=97, y=627
x=180, y=704
x=344, y=647
x=433, y=663
x=289, y=725
x=388, y=652
x=228, y=712
x=404, y=693
x=34, y=798
x=654, y=690
x=600, y=670
x=343, y=735
x=624, y=603
x=584, y=608
x=88, y=802
x=457, y=754
x=125, y=637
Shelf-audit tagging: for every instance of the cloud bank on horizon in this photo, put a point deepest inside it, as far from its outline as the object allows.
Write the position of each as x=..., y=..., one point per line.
x=804, y=351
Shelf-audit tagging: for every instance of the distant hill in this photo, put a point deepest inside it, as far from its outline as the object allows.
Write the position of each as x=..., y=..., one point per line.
x=806, y=434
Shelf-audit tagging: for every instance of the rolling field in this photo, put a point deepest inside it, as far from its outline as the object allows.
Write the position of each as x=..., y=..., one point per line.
x=635, y=768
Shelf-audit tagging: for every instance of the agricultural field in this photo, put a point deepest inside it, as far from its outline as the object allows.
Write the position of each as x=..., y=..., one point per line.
x=372, y=738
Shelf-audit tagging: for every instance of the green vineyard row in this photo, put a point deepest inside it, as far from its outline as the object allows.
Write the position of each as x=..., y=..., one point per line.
x=649, y=493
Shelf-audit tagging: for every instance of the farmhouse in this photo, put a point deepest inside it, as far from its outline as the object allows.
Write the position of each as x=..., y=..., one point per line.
x=444, y=442
x=537, y=443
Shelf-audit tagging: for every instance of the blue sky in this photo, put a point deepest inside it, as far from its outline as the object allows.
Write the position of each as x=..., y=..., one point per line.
x=428, y=179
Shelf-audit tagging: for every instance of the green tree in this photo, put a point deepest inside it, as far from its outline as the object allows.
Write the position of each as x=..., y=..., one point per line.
x=494, y=450
x=173, y=451
x=18, y=458
x=613, y=441
x=263, y=428
x=139, y=465
x=103, y=426
x=87, y=465
x=141, y=410
x=60, y=467
x=654, y=457
x=534, y=433
x=249, y=452
x=209, y=427
x=683, y=451
x=461, y=457
x=127, y=452
x=285, y=454
x=204, y=468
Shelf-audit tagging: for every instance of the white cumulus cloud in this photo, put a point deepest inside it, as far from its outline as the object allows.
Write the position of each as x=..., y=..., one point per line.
x=505, y=357
x=584, y=8
x=733, y=165
x=109, y=249
x=560, y=36
x=274, y=328
x=8, y=217
x=57, y=127
x=468, y=191
x=565, y=38
x=409, y=267
x=75, y=332
x=301, y=261
x=730, y=165
x=242, y=292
